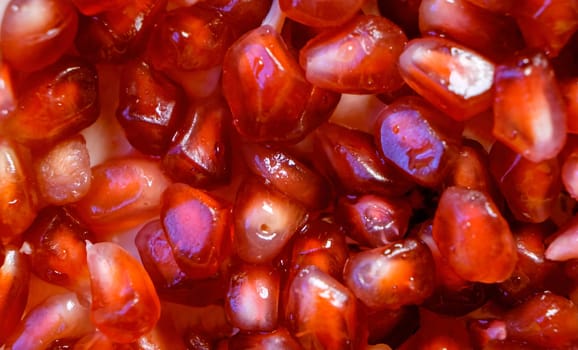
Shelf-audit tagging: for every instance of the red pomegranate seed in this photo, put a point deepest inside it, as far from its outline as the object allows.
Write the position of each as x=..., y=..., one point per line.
x=196, y=226
x=409, y=136
x=278, y=339
x=7, y=97
x=352, y=159
x=157, y=256
x=242, y=15
x=569, y=90
x=18, y=199
x=125, y=304
x=55, y=103
x=545, y=320
x=529, y=110
x=124, y=193
x=320, y=244
x=150, y=108
x=454, y=78
x=269, y=97
x=57, y=250
x=563, y=246
x=470, y=168
x=322, y=313
x=569, y=173
x=14, y=277
x=490, y=34
x=532, y=268
x=486, y=331
x=372, y=220
x=470, y=232
x=320, y=14
x=116, y=35
x=529, y=188
x=60, y=316
x=253, y=298
x=288, y=175
x=392, y=276
x=63, y=173
x=547, y=25
x=94, y=7
x=35, y=34
x=404, y=13
x=265, y=220
x=359, y=57
x=200, y=151
x=190, y=38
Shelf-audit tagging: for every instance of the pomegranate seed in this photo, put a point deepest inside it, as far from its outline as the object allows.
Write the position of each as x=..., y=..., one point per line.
x=55, y=103
x=124, y=193
x=269, y=97
x=14, y=277
x=60, y=316
x=253, y=298
x=470, y=168
x=490, y=34
x=569, y=90
x=7, y=97
x=486, y=331
x=125, y=304
x=115, y=35
x=528, y=108
x=63, y=173
x=93, y=341
x=35, y=34
x=322, y=313
x=242, y=15
x=190, y=38
x=157, y=256
x=470, y=232
x=320, y=14
x=150, y=108
x=529, y=188
x=18, y=199
x=200, y=151
x=408, y=136
x=546, y=320
x=320, y=244
x=392, y=276
x=563, y=246
x=374, y=221
x=359, y=57
x=58, y=252
x=288, y=175
x=196, y=226
x=547, y=25
x=278, y=339
x=569, y=173
x=352, y=159
x=265, y=220
x=454, y=78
